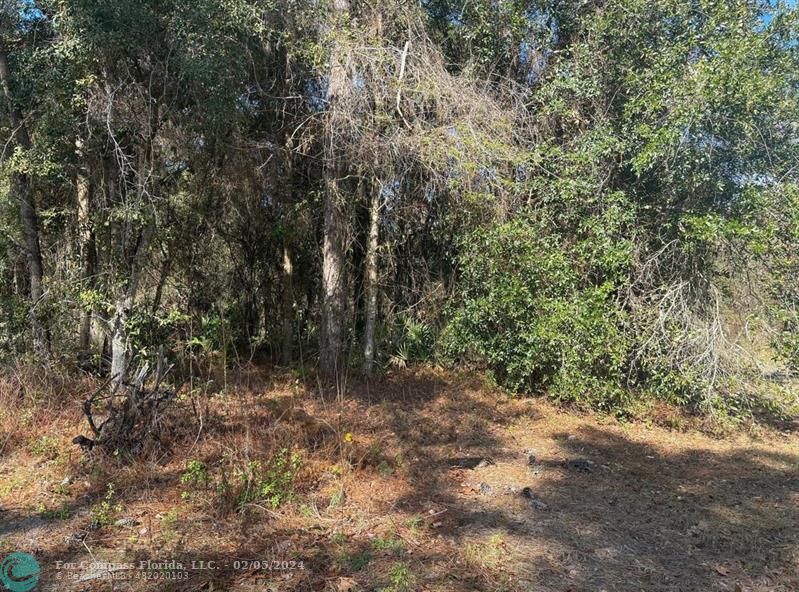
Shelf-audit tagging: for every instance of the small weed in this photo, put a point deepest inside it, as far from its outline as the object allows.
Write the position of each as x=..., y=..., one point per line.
x=306, y=511
x=194, y=477
x=415, y=522
x=170, y=518
x=353, y=562
x=384, y=469
x=347, y=560
x=336, y=499
x=390, y=543
x=63, y=513
x=275, y=486
x=301, y=373
x=8, y=487
x=45, y=447
x=360, y=560
x=401, y=578
x=488, y=554
x=104, y=512
x=27, y=417
x=169, y=522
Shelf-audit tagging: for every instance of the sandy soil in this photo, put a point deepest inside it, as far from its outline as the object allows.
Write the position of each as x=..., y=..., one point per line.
x=421, y=481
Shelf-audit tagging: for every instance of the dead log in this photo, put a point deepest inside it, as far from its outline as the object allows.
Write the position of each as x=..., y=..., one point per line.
x=132, y=410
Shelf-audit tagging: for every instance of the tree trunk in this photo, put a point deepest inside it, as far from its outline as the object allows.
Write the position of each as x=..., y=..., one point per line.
x=334, y=297
x=371, y=284
x=287, y=349
x=88, y=254
x=21, y=190
x=120, y=347
x=119, y=340
x=120, y=350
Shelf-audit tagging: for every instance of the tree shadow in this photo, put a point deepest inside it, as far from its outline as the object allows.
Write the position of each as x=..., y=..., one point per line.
x=641, y=519
x=642, y=516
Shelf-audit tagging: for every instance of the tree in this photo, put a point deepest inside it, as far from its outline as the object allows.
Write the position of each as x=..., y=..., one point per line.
x=334, y=245
x=579, y=195
x=20, y=182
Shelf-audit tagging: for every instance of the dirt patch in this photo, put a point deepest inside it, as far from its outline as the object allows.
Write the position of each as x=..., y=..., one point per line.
x=421, y=481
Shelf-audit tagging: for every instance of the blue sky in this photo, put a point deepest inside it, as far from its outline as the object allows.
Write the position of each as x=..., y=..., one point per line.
x=767, y=19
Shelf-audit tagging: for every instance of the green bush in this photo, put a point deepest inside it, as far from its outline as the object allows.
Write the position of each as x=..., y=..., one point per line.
x=787, y=344
x=195, y=477
x=13, y=326
x=274, y=485
x=412, y=341
x=104, y=512
x=531, y=311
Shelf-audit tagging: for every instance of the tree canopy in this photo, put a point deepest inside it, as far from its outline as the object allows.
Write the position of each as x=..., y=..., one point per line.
x=596, y=200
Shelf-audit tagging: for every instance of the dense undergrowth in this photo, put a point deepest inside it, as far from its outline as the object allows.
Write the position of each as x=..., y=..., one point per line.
x=595, y=202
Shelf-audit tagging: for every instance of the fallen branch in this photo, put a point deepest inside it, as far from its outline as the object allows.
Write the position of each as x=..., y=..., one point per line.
x=133, y=415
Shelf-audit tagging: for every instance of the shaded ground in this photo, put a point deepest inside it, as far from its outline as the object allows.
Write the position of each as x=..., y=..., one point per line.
x=386, y=499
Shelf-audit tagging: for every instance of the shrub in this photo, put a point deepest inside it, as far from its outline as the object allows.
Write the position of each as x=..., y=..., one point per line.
x=45, y=447
x=412, y=341
x=401, y=578
x=275, y=485
x=194, y=477
x=540, y=315
x=13, y=326
x=786, y=340
x=104, y=512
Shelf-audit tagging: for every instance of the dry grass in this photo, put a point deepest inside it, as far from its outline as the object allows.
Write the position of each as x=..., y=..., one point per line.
x=377, y=503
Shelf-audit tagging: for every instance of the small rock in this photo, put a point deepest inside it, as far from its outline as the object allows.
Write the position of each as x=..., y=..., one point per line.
x=485, y=489
x=527, y=493
x=571, y=437
x=437, y=524
x=66, y=481
x=142, y=531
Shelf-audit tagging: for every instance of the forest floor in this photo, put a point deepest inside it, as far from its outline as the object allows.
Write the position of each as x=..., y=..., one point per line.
x=415, y=482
